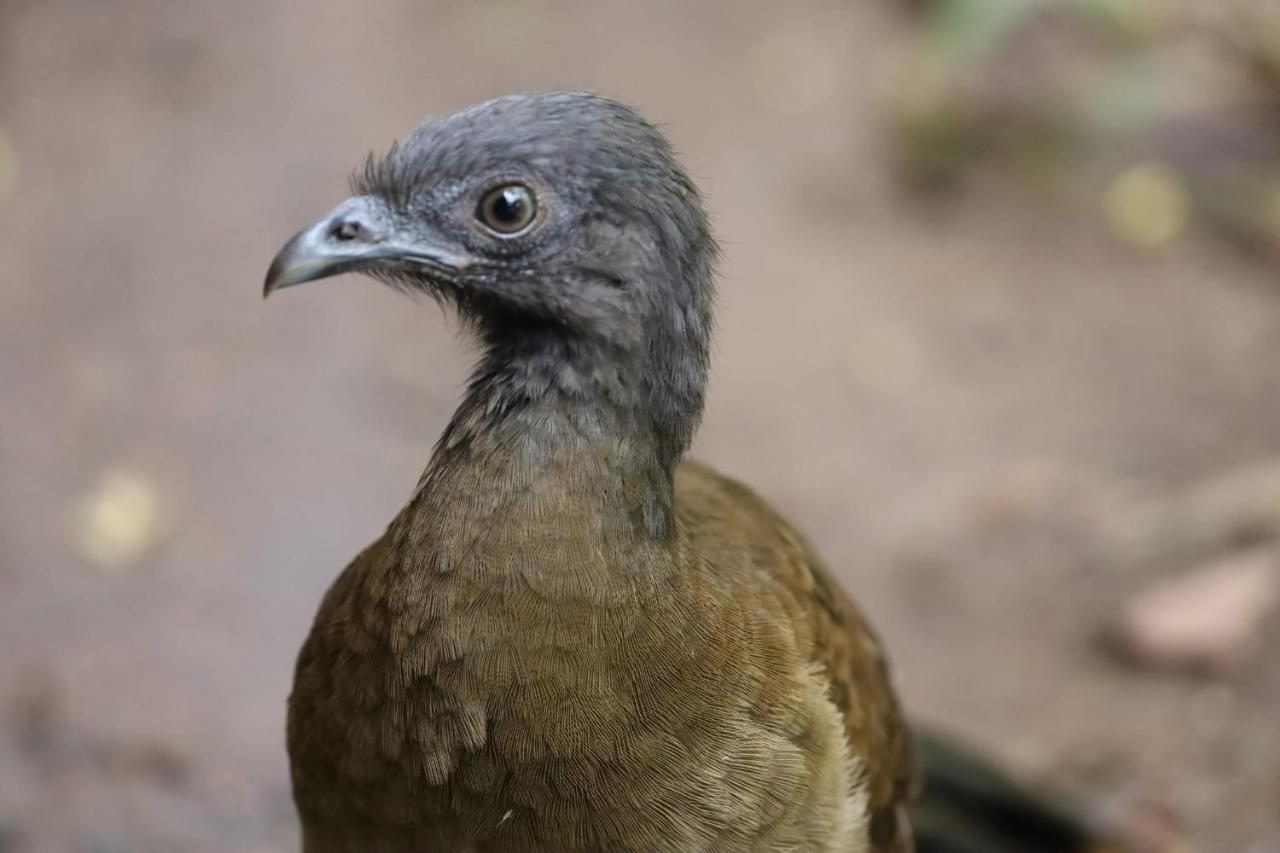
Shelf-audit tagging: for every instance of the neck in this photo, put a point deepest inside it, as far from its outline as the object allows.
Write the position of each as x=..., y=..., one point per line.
x=554, y=424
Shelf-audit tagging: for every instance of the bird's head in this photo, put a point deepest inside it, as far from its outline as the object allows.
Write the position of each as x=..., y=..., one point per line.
x=558, y=209
x=568, y=237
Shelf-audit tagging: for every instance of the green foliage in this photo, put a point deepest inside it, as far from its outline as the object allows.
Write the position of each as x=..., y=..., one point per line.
x=1075, y=93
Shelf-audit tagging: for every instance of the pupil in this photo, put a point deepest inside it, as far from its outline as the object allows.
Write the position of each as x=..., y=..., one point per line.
x=507, y=206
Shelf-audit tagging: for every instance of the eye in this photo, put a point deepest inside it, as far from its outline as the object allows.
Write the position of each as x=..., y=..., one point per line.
x=508, y=209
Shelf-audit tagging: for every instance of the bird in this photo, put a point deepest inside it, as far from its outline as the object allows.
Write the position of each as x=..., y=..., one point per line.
x=572, y=637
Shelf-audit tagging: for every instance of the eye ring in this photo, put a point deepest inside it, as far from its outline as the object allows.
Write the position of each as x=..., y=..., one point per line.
x=507, y=210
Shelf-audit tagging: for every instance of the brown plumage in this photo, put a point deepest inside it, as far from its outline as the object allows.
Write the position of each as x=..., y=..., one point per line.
x=568, y=640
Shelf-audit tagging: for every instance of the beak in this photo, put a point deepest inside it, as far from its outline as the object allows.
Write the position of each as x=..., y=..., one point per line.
x=359, y=235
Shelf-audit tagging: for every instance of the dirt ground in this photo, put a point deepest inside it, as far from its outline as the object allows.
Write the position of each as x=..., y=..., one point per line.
x=949, y=399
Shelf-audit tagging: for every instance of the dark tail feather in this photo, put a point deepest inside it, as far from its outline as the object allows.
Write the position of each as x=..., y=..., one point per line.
x=969, y=806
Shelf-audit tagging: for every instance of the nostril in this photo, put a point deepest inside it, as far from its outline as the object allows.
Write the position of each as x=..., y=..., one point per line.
x=349, y=229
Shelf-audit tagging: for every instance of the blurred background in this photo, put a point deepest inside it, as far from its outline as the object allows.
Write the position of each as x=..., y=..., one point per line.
x=999, y=327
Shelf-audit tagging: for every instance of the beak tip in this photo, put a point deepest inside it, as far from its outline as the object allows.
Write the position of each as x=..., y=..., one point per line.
x=276, y=274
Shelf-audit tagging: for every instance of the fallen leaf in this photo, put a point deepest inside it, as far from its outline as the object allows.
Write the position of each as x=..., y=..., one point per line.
x=1207, y=619
x=117, y=522
x=1148, y=205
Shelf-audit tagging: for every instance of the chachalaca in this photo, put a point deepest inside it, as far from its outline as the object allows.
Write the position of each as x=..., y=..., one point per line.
x=569, y=639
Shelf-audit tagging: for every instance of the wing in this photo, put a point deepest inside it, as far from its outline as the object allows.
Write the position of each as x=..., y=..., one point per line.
x=839, y=641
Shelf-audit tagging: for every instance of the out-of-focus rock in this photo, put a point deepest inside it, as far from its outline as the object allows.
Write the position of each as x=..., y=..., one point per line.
x=1205, y=620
